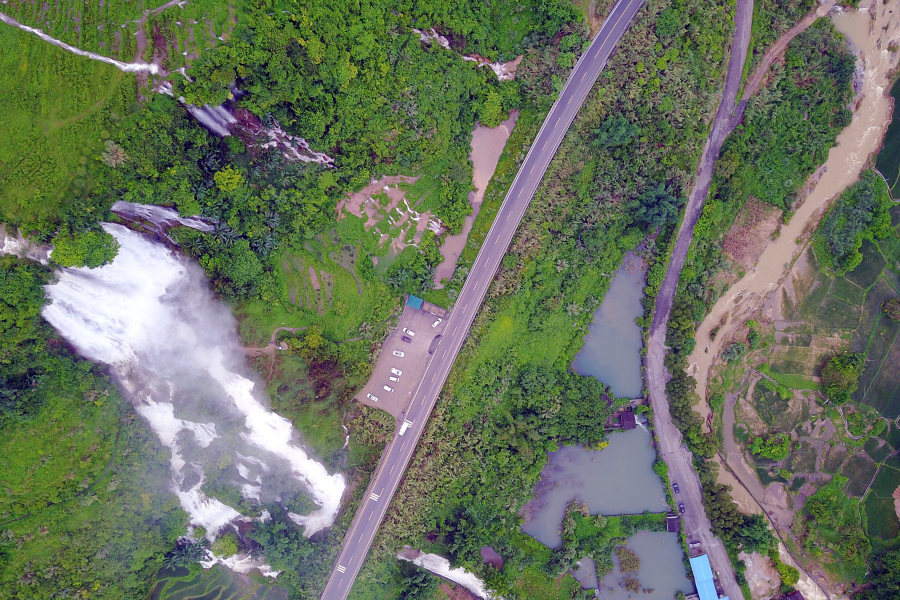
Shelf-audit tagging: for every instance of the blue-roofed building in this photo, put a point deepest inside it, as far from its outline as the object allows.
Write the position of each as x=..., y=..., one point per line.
x=415, y=302
x=703, y=578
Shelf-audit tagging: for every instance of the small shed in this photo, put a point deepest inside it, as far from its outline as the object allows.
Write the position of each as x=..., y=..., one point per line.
x=673, y=523
x=628, y=420
x=795, y=596
x=414, y=302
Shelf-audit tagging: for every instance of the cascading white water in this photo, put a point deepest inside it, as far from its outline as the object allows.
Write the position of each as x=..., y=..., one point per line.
x=160, y=216
x=174, y=349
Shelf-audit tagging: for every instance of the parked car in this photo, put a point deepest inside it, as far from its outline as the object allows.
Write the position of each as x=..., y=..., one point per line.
x=398, y=353
x=436, y=323
x=406, y=339
x=681, y=507
x=409, y=332
x=675, y=486
x=372, y=397
x=388, y=388
x=397, y=372
x=392, y=378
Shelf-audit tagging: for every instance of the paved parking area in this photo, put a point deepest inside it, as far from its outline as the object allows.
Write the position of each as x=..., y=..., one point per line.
x=411, y=364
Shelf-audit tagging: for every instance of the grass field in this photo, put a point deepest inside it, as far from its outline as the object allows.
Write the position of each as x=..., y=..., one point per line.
x=888, y=159
x=109, y=28
x=535, y=585
x=859, y=470
x=48, y=139
x=833, y=314
x=881, y=515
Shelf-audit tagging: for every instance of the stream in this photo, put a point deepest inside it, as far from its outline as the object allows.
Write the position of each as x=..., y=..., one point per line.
x=122, y=66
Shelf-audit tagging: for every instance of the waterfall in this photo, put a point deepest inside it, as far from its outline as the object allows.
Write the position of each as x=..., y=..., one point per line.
x=160, y=216
x=217, y=119
x=173, y=348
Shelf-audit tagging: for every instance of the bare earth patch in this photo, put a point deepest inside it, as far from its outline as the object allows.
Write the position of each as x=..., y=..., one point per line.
x=751, y=232
x=896, y=497
x=367, y=204
x=761, y=576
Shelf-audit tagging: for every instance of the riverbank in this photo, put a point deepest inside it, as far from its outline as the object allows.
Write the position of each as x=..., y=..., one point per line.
x=677, y=458
x=870, y=38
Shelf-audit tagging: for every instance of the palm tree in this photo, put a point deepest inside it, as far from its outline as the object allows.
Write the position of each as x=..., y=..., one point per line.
x=224, y=234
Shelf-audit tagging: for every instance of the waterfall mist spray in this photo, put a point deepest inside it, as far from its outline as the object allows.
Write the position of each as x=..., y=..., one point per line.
x=173, y=348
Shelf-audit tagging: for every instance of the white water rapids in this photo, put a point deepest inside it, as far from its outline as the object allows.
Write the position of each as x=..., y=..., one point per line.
x=173, y=347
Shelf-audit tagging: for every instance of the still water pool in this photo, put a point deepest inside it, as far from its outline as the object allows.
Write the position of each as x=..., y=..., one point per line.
x=661, y=575
x=617, y=480
x=612, y=349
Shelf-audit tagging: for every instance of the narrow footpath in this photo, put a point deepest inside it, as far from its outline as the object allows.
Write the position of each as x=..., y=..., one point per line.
x=677, y=457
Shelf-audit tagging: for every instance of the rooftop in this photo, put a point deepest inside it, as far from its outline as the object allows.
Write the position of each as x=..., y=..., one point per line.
x=703, y=578
x=415, y=302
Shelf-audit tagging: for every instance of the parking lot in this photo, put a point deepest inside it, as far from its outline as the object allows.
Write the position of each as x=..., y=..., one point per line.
x=411, y=364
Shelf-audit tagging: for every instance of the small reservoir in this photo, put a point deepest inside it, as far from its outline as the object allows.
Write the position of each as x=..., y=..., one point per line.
x=617, y=480
x=661, y=574
x=612, y=349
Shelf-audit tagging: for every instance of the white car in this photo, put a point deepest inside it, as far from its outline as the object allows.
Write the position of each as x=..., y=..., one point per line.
x=392, y=378
x=388, y=388
x=398, y=353
x=397, y=372
x=436, y=323
x=409, y=332
x=372, y=397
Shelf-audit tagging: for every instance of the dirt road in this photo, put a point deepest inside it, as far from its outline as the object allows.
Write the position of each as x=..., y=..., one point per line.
x=778, y=48
x=676, y=456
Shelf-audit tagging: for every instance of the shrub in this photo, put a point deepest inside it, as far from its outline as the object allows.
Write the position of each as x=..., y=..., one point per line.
x=734, y=351
x=891, y=309
x=225, y=545
x=841, y=376
x=629, y=562
x=90, y=249
x=775, y=447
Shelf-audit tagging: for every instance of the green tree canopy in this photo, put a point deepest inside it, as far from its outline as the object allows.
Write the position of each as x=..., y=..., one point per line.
x=656, y=206
x=615, y=131
x=841, y=376
x=91, y=249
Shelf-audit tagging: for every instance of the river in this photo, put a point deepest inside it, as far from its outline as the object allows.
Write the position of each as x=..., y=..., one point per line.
x=870, y=38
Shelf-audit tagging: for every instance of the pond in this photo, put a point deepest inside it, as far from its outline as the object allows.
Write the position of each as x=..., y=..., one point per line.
x=617, y=480
x=612, y=349
x=661, y=574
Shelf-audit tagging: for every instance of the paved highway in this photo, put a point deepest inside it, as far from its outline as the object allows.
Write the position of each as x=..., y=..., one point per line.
x=398, y=453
